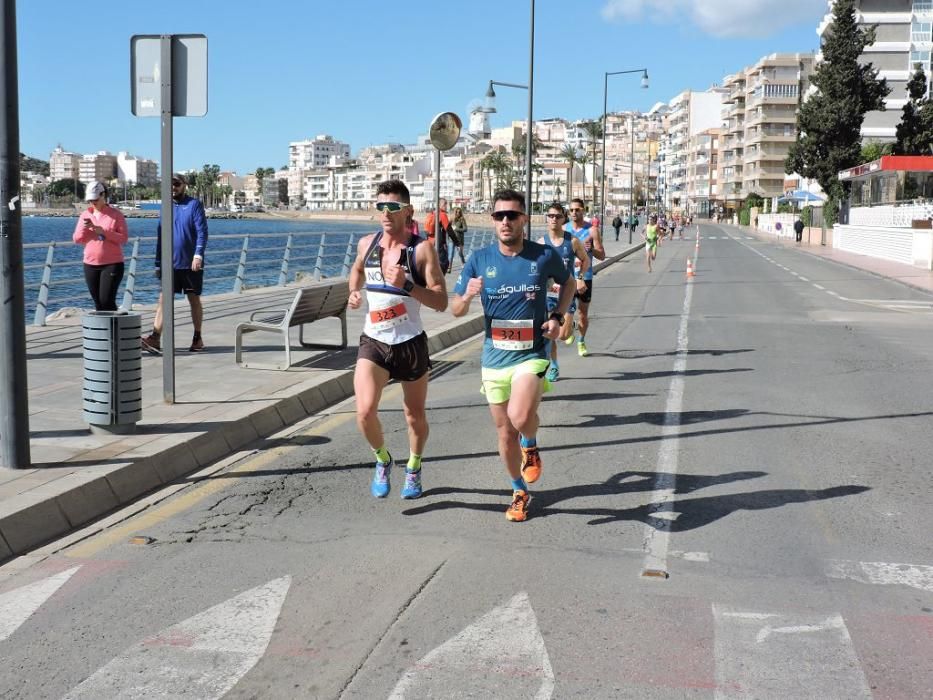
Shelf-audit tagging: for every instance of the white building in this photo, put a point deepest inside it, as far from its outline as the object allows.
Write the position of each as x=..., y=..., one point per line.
x=319, y=152
x=132, y=170
x=691, y=112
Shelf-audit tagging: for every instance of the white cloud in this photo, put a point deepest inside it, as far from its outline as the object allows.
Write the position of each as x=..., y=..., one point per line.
x=721, y=18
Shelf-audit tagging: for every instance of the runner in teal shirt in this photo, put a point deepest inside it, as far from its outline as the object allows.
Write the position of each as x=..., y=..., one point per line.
x=511, y=277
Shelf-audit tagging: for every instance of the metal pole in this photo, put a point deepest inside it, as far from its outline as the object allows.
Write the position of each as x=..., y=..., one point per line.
x=631, y=183
x=14, y=398
x=602, y=195
x=168, y=234
x=437, y=200
x=528, y=139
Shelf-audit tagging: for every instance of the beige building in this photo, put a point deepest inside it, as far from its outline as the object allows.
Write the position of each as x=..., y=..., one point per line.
x=64, y=165
x=99, y=166
x=759, y=118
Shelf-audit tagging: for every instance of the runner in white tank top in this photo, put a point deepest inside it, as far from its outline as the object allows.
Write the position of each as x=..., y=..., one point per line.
x=400, y=272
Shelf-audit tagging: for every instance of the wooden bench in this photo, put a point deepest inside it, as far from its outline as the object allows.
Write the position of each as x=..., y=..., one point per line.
x=312, y=303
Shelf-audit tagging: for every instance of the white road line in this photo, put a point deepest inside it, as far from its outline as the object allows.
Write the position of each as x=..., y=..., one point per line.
x=18, y=605
x=749, y=238
x=774, y=656
x=200, y=658
x=803, y=279
x=658, y=529
x=819, y=286
x=503, y=648
x=882, y=573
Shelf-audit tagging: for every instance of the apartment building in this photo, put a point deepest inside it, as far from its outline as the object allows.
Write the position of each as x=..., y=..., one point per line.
x=319, y=152
x=98, y=166
x=903, y=42
x=702, y=176
x=64, y=165
x=759, y=124
x=132, y=170
x=690, y=113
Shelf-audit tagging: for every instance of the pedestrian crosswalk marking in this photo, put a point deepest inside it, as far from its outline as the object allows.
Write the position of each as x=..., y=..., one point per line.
x=778, y=656
x=882, y=573
x=18, y=605
x=503, y=646
x=201, y=658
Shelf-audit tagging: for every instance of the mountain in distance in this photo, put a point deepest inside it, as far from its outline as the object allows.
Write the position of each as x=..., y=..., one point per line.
x=33, y=165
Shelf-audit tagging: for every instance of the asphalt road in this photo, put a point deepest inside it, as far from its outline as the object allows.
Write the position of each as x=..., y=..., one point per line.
x=736, y=503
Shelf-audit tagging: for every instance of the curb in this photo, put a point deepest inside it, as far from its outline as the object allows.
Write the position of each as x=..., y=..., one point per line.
x=45, y=513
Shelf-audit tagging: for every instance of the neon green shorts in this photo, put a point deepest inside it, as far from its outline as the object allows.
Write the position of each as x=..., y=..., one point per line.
x=497, y=382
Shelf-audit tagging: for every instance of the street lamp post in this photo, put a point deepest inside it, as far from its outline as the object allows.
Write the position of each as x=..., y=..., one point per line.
x=644, y=84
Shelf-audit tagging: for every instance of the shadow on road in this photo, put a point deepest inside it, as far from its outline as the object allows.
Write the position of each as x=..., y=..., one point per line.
x=690, y=513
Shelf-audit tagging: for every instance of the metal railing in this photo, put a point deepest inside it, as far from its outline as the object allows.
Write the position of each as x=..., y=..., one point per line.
x=254, y=260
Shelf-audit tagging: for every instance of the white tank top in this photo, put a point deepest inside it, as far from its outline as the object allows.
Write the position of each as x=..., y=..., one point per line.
x=393, y=315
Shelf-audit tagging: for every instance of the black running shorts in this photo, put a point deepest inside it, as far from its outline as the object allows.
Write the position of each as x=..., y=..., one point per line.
x=405, y=362
x=587, y=294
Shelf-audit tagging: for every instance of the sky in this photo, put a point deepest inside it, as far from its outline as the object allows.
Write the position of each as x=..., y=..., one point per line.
x=370, y=71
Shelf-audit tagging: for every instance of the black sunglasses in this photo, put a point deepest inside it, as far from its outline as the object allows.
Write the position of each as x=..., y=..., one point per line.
x=508, y=214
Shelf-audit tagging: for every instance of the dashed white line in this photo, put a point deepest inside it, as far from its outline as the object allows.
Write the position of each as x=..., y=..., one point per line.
x=18, y=605
x=883, y=573
x=819, y=286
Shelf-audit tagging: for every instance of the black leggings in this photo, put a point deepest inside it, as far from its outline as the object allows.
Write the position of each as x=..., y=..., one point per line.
x=103, y=282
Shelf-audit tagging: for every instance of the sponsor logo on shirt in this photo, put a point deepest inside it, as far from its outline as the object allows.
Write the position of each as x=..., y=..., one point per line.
x=490, y=271
x=533, y=269
x=529, y=290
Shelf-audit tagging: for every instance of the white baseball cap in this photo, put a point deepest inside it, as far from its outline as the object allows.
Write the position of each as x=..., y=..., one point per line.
x=94, y=190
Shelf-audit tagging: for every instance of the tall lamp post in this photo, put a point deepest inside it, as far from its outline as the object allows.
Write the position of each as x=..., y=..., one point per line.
x=490, y=108
x=644, y=84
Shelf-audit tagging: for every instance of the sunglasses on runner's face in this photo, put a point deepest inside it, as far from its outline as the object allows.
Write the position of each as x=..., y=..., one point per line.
x=552, y=215
x=573, y=210
x=509, y=214
x=392, y=207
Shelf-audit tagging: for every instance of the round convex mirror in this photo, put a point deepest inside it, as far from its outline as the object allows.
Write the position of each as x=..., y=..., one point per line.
x=445, y=131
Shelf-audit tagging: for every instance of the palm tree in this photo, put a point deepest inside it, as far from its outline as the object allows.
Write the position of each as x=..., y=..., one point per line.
x=583, y=160
x=594, y=132
x=498, y=162
x=569, y=153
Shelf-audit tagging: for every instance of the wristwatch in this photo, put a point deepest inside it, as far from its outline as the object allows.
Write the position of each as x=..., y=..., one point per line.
x=408, y=286
x=556, y=317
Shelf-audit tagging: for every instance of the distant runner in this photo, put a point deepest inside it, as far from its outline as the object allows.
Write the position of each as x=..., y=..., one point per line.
x=651, y=240
x=570, y=250
x=589, y=235
x=512, y=276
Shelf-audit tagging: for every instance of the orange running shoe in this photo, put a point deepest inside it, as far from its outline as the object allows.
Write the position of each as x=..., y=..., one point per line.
x=531, y=465
x=518, y=510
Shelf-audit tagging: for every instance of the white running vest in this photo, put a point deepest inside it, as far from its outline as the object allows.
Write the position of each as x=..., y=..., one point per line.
x=393, y=316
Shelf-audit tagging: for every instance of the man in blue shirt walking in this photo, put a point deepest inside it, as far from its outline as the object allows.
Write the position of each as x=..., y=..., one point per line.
x=512, y=277
x=189, y=235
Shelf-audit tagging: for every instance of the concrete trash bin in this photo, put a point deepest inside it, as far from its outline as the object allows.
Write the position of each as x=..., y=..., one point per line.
x=113, y=370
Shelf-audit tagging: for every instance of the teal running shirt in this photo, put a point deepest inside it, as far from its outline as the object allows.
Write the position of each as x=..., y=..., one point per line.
x=514, y=300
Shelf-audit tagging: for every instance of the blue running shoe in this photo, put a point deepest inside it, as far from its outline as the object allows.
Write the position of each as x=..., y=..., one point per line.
x=379, y=488
x=553, y=373
x=412, y=487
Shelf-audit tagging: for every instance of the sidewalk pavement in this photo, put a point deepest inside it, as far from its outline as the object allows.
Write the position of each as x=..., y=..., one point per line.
x=78, y=476
x=915, y=277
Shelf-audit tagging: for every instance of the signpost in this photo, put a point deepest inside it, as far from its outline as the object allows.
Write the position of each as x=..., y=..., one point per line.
x=169, y=79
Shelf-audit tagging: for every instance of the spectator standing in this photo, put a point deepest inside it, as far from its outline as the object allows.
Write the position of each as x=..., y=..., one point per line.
x=189, y=234
x=617, y=225
x=798, y=229
x=429, y=231
x=101, y=229
x=458, y=231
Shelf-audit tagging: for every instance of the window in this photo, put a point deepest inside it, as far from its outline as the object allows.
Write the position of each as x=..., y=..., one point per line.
x=919, y=57
x=921, y=31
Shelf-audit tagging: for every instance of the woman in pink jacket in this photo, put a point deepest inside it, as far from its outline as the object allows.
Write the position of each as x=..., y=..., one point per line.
x=102, y=231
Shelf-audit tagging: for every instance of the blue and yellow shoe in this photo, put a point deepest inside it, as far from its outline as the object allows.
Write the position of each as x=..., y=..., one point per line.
x=553, y=372
x=412, y=487
x=379, y=487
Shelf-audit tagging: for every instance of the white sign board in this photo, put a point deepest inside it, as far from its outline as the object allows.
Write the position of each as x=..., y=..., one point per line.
x=189, y=75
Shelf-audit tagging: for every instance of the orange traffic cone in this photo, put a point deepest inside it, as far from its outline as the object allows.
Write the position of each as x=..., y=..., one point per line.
x=690, y=272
